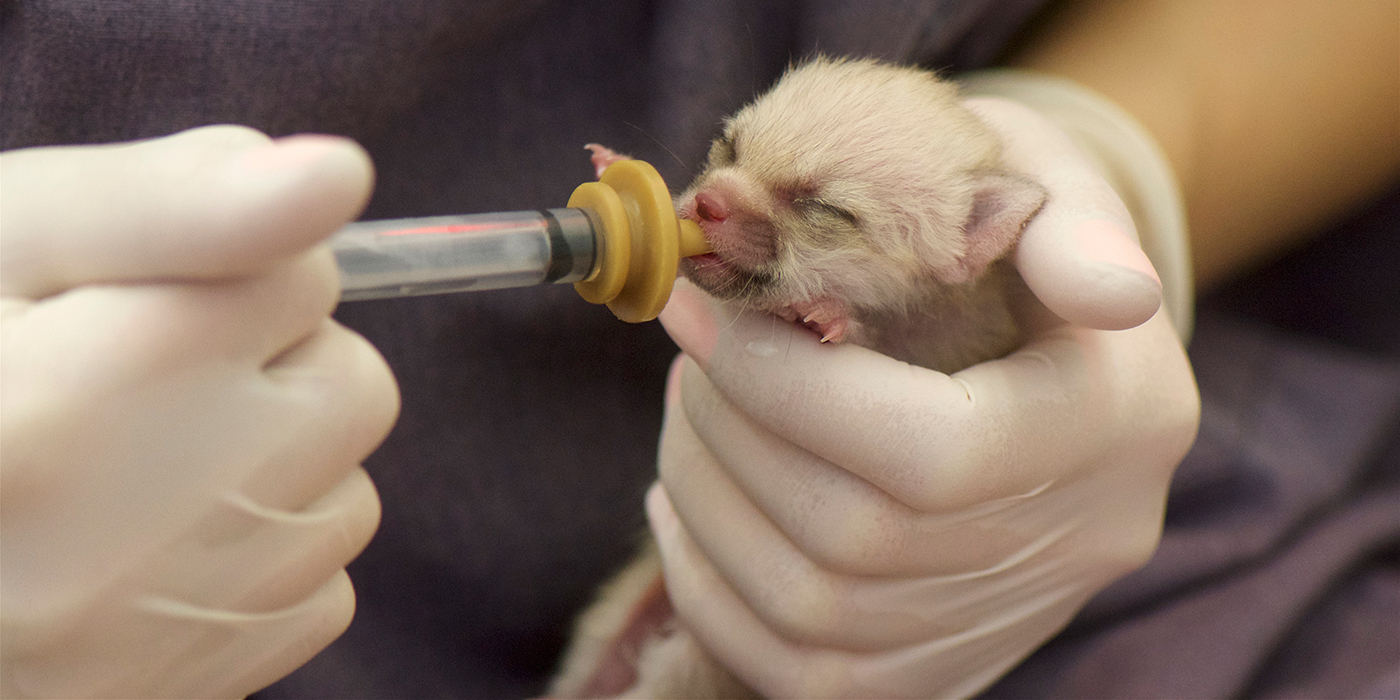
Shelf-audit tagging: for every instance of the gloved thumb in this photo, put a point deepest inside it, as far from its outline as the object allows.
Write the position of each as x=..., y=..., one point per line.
x=208, y=203
x=1080, y=254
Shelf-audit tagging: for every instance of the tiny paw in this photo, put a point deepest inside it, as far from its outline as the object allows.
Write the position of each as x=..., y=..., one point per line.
x=827, y=317
x=603, y=157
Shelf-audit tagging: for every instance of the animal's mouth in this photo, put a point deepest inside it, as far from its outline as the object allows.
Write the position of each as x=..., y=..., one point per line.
x=709, y=270
x=707, y=261
x=719, y=276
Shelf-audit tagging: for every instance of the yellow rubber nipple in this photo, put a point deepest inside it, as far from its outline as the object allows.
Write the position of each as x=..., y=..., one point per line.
x=640, y=240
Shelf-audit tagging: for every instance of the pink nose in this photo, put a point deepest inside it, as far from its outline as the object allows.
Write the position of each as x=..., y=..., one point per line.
x=710, y=208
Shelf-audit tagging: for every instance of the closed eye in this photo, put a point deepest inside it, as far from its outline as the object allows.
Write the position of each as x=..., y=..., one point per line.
x=817, y=204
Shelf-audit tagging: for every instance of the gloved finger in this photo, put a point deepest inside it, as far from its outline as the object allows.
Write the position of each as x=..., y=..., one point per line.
x=124, y=333
x=934, y=442
x=347, y=392
x=69, y=357
x=164, y=648
x=251, y=557
x=1080, y=253
x=337, y=400
x=806, y=604
x=244, y=565
x=784, y=589
x=839, y=520
x=249, y=651
x=208, y=203
x=284, y=642
x=778, y=667
x=720, y=620
x=283, y=437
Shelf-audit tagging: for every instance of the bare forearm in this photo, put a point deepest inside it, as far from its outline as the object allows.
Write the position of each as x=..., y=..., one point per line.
x=1277, y=115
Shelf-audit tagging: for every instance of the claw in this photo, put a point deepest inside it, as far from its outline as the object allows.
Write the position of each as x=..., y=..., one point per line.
x=827, y=317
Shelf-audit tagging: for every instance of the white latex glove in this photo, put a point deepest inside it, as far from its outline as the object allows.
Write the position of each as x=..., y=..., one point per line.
x=836, y=523
x=182, y=422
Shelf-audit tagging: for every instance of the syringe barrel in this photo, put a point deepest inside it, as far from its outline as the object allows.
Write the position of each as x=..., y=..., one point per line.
x=441, y=254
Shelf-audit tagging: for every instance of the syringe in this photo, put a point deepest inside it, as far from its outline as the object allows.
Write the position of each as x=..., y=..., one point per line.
x=618, y=241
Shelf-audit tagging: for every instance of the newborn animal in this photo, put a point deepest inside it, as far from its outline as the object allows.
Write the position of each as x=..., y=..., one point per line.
x=863, y=201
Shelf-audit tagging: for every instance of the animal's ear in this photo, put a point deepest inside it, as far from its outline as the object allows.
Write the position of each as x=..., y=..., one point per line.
x=1002, y=203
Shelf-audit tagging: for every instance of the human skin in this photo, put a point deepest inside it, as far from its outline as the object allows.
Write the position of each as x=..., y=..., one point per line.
x=1277, y=115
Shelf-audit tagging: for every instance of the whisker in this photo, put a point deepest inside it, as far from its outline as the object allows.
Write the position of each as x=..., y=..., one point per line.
x=658, y=142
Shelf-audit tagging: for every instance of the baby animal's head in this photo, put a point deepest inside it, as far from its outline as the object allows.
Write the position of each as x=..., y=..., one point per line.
x=853, y=180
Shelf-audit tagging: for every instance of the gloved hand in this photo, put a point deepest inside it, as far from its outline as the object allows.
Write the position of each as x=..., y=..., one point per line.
x=834, y=523
x=183, y=423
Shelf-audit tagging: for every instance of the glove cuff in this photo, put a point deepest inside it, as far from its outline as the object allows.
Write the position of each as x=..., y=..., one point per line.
x=1127, y=157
